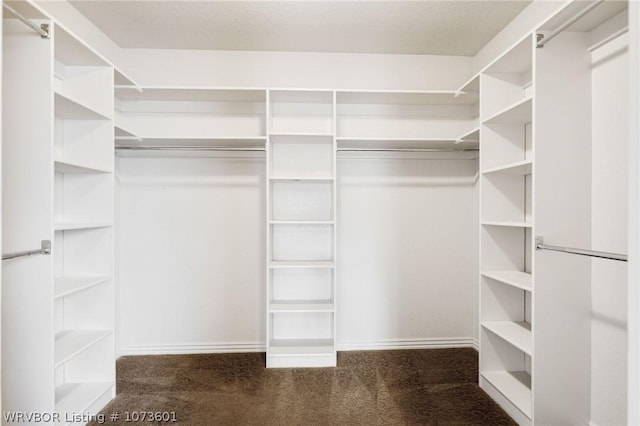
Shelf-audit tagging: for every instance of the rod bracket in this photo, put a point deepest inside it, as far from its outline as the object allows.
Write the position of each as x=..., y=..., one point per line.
x=539, y=38
x=539, y=241
x=45, y=245
x=45, y=28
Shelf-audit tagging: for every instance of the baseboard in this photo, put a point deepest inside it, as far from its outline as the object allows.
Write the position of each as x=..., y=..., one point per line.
x=230, y=347
x=207, y=348
x=425, y=343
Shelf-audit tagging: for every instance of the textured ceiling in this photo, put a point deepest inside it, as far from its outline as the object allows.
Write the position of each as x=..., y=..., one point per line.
x=454, y=27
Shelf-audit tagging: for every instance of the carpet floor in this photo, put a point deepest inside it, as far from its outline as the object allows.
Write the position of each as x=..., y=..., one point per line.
x=368, y=388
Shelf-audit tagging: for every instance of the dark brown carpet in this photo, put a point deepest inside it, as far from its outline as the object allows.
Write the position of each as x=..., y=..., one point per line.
x=403, y=387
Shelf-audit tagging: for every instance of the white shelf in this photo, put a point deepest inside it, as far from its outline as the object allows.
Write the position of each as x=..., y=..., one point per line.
x=65, y=286
x=307, y=264
x=73, y=342
x=470, y=86
x=405, y=97
x=71, y=226
x=222, y=141
x=517, y=333
x=301, y=179
x=302, y=222
x=122, y=131
x=518, y=168
x=472, y=136
x=301, y=306
x=383, y=142
x=521, y=280
x=516, y=113
x=507, y=224
x=78, y=397
x=303, y=347
x=513, y=385
x=302, y=134
x=190, y=94
x=72, y=109
x=72, y=51
x=61, y=166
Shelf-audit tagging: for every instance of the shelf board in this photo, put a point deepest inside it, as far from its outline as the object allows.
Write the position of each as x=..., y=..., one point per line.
x=518, y=168
x=518, y=59
x=71, y=109
x=470, y=86
x=517, y=113
x=72, y=51
x=78, y=397
x=405, y=97
x=517, y=333
x=305, y=135
x=384, y=143
x=507, y=223
x=301, y=179
x=302, y=222
x=71, y=226
x=121, y=130
x=307, y=347
x=521, y=280
x=513, y=385
x=65, y=286
x=301, y=96
x=61, y=166
x=73, y=342
x=190, y=94
x=472, y=136
x=307, y=264
x=301, y=306
x=192, y=142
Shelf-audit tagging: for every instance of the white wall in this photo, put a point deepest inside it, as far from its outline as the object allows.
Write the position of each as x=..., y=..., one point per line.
x=406, y=251
x=609, y=233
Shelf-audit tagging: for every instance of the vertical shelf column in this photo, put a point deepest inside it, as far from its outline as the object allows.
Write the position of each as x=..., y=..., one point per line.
x=301, y=240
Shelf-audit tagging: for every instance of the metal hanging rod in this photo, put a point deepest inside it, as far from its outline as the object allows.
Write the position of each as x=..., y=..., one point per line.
x=43, y=29
x=45, y=248
x=188, y=148
x=591, y=253
x=542, y=39
x=409, y=149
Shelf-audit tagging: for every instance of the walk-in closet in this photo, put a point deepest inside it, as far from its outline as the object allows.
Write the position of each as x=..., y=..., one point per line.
x=321, y=213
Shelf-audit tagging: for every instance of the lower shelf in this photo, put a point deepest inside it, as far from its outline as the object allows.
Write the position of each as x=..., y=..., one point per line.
x=515, y=386
x=74, y=398
x=517, y=333
x=70, y=343
x=301, y=353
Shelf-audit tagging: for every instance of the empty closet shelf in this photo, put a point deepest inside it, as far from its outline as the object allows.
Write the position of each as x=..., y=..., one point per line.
x=518, y=168
x=72, y=226
x=517, y=113
x=69, y=167
x=311, y=179
x=69, y=108
x=301, y=306
x=78, y=397
x=513, y=385
x=302, y=222
x=301, y=264
x=308, y=347
x=66, y=286
x=521, y=280
x=71, y=343
x=517, y=333
x=507, y=223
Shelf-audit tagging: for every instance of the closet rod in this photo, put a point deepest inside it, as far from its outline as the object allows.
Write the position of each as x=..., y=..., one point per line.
x=542, y=40
x=409, y=149
x=43, y=29
x=189, y=148
x=45, y=248
x=591, y=253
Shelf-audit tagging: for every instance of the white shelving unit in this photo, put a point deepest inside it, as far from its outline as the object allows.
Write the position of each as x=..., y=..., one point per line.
x=301, y=223
x=506, y=222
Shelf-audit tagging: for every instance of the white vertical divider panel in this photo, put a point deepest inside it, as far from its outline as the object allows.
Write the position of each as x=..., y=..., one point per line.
x=562, y=194
x=27, y=218
x=334, y=202
x=633, y=279
x=1, y=65
x=268, y=216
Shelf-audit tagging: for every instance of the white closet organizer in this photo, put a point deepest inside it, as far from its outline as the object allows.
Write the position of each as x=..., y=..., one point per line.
x=67, y=362
x=301, y=240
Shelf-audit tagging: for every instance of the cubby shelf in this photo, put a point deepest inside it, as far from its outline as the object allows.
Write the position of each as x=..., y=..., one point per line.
x=61, y=166
x=69, y=108
x=301, y=179
x=300, y=134
x=513, y=385
x=78, y=397
x=302, y=222
x=472, y=136
x=70, y=343
x=301, y=306
x=197, y=142
x=521, y=280
x=304, y=347
x=407, y=97
x=394, y=142
x=517, y=113
x=74, y=226
x=507, y=224
x=517, y=333
x=66, y=286
x=323, y=264
x=518, y=168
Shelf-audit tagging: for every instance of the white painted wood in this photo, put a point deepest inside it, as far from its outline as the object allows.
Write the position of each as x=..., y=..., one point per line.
x=517, y=279
x=73, y=398
x=301, y=306
x=514, y=224
x=514, y=385
x=69, y=167
x=1, y=152
x=66, y=286
x=71, y=226
x=517, y=412
x=517, y=113
x=517, y=333
x=71, y=343
x=70, y=108
x=518, y=168
x=300, y=264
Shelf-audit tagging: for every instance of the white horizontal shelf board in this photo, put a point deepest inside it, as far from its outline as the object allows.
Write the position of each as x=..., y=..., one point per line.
x=517, y=333
x=301, y=96
x=61, y=166
x=507, y=223
x=472, y=135
x=301, y=264
x=472, y=85
x=308, y=347
x=120, y=130
x=301, y=178
x=191, y=94
x=514, y=385
x=78, y=397
x=65, y=286
x=301, y=134
x=405, y=97
x=222, y=141
x=70, y=343
x=72, y=109
x=521, y=280
x=301, y=306
x=72, y=51
x=70, y=226
x=121, y=78
x=381, y=142
x=302, y=222
x=516, y=113
x=518, y=168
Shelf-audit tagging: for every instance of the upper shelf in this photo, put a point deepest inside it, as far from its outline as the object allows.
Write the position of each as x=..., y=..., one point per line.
x=72, y=51
x=516, y=113
x=518, y=59
x=71, y=109
x=409, y=97
x=390, y=143
x=190, y=94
